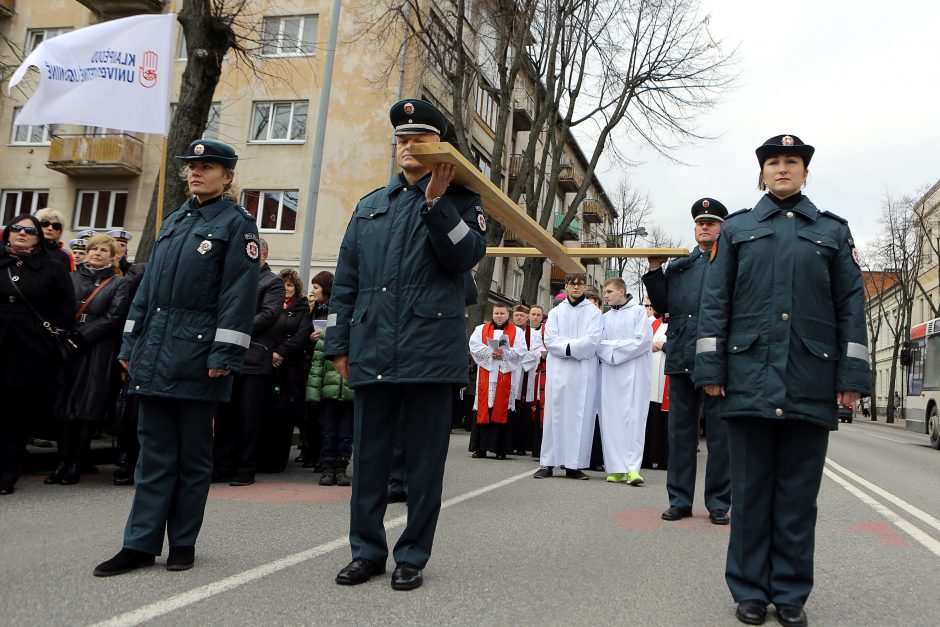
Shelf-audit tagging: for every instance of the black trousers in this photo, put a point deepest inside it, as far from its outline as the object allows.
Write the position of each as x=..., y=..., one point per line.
x=685, y=403
x=776, y=471
x=13, y=432
x=238, y=425
x=173, y=473
x=425, y=412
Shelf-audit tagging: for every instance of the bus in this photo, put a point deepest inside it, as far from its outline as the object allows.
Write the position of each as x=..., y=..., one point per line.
x=920, y=358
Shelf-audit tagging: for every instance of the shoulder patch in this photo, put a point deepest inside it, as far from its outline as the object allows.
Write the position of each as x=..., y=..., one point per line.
x=832, y=215
x=252, y=251
x=372, y=192
x=251, y=237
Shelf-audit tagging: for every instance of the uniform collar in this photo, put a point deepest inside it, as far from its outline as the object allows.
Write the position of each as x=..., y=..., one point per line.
x=766, y=207
x=398, y=181
x=211, y=209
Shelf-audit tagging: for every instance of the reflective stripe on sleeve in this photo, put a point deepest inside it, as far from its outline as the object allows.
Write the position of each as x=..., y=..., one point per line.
x=858, y=351
x=331, y=320
x=229, y=336
x=706, y=345
x=129, y=326
x=458, y=232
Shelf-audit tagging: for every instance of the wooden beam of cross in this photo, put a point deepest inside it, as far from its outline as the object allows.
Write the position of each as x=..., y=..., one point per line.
x=518, y=251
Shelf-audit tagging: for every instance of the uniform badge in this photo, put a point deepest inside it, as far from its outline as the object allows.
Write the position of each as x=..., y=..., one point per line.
x=705, y=204
x=481, y=220
x=198, y=149
x=251, y=249
x=204, y=247
x=857, y=258
x=787, y=140
x=409, y=108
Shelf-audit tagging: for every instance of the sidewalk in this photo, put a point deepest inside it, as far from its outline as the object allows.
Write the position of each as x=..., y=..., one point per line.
x=881, y=422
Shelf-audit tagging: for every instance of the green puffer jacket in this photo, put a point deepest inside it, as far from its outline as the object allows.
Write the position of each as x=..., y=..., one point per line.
x=324, y=383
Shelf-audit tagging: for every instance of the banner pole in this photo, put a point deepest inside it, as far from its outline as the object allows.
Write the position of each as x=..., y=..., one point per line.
x=160, y=187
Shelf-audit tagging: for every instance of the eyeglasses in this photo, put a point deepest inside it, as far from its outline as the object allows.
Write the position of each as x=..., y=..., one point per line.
x=647, y=305
x=46, y=223
x=19, y=228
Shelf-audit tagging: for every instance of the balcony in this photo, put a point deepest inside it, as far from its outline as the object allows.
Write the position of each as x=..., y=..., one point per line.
x=557, y=276
x=574, y=227
x=611, y=274
x=523, y=110
x=111, y=9
x=515, y=167
x=511, y=239
x=591, y=211
x=590, y=260
x=7, y=8
x=569, y=179
x=116, y=154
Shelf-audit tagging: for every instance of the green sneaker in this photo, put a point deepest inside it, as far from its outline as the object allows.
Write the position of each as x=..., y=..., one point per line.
x=634, y=478
x=616, y=477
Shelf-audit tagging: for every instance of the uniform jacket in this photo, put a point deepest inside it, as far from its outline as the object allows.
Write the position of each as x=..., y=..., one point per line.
x=269, y=305
x=676, y=291
x=293, y=328
x=324, y=383
x=90, y=374
x=783, y=315
x=398, y=294
x=194, y=308
x=27, y=351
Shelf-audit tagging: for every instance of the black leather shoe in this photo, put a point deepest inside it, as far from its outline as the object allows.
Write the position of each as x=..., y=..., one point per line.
x=72, y=475
x=243, y=479
x=6, y=488
x=543, y=472
x=397, y=496
x=181, y=558
x=677, y=513
x=358, y=571
x=406, y=577
x=751, y=612
x=718, y=517
x=56, y=475
x=478, y=454
x=791, y=616
x=123, y=479
x=576, y=474
x=125, y=561
x=501, y=456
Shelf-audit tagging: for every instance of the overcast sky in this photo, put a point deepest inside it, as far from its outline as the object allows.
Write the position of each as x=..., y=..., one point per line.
x=859, y=80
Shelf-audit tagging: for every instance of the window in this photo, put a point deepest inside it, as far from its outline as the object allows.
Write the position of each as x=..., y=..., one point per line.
x=289, y=36
x=487, y=106
x=483, y=162
x=28, y=135
x=100, y=209
x=17, y=201
x=443, y=42
x=279, y=121
x=273, y=210
x=36, y=36
x=181, y=53
x=212, y=125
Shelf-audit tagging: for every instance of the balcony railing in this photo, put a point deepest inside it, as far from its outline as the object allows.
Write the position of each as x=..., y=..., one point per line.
x=574, y=227
x=591, y=211
x=116, y=154
x=110, y=9
x=515, y=166
x=523, y=110
x=7, y=8
x=557, y=274
x=590, y=244
x=611, y=274
x=511, y=239
x=569, y=178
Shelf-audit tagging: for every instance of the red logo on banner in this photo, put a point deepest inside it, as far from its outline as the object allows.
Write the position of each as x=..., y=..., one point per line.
x=148, y=71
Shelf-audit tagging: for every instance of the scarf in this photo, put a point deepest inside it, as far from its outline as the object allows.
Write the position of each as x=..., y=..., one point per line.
x=20, y=252
x=289, y=301
x=665, y=405
x=500, y=411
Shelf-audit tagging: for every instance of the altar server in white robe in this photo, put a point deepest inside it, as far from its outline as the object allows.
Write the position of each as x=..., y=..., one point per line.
x=572, y=334
x=626, y=356
x=494, y=385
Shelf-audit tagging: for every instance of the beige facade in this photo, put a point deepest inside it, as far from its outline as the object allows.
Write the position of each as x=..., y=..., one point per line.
x=105, y=179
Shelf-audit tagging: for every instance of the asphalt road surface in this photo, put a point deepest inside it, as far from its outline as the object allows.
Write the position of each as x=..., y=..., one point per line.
x=510, y=550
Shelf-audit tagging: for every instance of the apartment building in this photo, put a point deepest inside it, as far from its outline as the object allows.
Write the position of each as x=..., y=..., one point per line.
x=105, y=178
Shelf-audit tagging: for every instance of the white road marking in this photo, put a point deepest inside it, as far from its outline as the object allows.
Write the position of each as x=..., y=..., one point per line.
x=928, y=542
x=880, y=437
x=907, y=507
x=184, y=599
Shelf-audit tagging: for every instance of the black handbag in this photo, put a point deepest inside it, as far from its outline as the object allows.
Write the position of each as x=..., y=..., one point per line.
x=65, y=346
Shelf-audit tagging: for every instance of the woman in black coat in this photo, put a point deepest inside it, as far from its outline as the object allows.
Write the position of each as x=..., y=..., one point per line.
x=321, y=286
x=291, y=363
x=101, y=303
x=34, y=289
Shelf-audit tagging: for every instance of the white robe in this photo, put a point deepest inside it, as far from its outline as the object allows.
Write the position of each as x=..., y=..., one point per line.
x=658, y=380
x=536, y=344
x=483, y=356
x=626, y=357
x=570, y=384
x=527, y=363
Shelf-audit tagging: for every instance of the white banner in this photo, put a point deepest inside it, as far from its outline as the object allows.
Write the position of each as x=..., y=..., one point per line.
x=116, y=74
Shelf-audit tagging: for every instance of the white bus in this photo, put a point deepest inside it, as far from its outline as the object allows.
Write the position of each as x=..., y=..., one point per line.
x=921, y=359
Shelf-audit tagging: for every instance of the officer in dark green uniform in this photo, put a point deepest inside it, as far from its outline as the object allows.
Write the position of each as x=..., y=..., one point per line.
x=398, y=304
x=187, y=330
x=677, y=292
x=781, y=341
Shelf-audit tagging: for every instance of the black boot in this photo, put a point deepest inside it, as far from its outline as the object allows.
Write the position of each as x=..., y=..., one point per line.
x=341, y=477
x=125, y=561
x=56, y=475
x=181, y=558
x=329, y=473
x=72, y=474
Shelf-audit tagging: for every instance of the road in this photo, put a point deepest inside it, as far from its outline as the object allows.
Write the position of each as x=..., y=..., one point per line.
x=510, y=550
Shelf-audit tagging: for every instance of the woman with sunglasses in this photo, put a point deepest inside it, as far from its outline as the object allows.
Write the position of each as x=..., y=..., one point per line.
x=34, y=289
x=782, y=339
x=51, y=221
